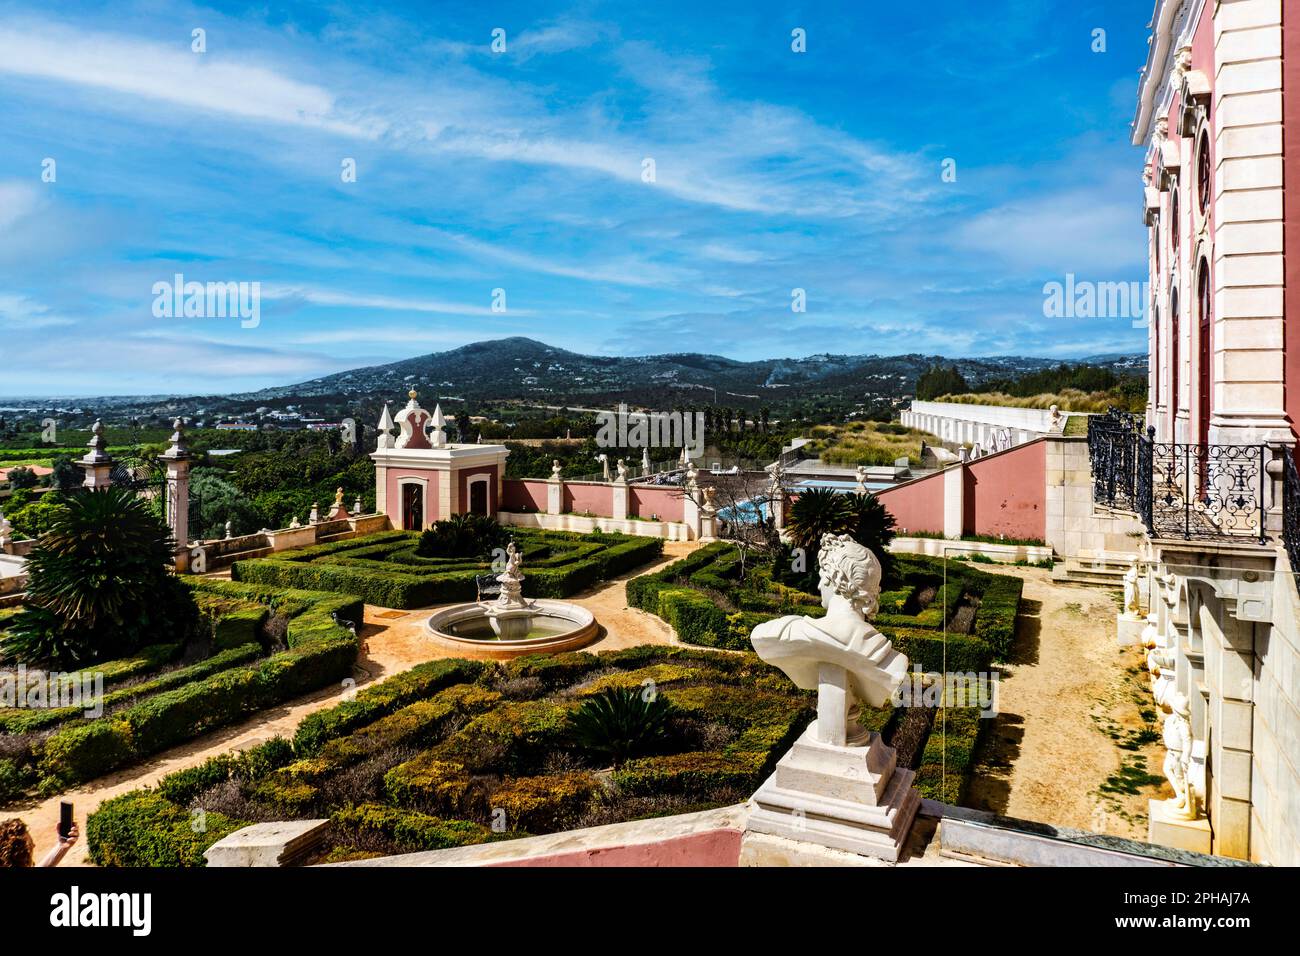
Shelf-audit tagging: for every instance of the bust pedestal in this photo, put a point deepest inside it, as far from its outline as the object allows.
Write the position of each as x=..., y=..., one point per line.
x=840, y=789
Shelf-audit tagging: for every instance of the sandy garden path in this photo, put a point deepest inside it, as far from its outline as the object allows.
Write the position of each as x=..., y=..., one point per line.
x=1072, y=743
x=393, y=641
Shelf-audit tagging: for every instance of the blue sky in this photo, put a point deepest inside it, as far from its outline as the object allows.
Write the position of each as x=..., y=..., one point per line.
x=523, y=171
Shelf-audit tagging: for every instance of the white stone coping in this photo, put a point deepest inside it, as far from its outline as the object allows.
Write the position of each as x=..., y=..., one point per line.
x=953, y=548
x=267, y=844
x=631, y=833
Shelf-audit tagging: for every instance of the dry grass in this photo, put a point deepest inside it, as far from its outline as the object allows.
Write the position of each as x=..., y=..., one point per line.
x=868, y=443
x=1067, y=400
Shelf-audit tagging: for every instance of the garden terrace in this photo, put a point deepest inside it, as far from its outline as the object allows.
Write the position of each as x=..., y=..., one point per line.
x=925, y=604
x=257, y=647
x=385, y=569
x=455, y=752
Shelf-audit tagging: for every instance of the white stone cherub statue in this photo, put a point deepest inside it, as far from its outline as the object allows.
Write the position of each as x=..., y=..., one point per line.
x=841, y=654
x=1132, y=604
x=621, y=465
x=1178, y=763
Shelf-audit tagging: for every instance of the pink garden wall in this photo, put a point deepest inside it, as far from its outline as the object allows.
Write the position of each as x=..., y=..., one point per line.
x=667, y=503
x=523, y=494
x=916, y=505
x=1006, y=494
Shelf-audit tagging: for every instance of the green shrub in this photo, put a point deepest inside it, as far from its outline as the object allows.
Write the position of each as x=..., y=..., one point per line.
x=995, y=621
x=410, y=830
x=143, y=828
x=620, y=722
x=691, y=774
x=381, y=699
x=548, y=803
x=462, y=536
x=946, y=762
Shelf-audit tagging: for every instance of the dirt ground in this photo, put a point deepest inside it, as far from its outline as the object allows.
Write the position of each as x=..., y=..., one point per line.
x=393, y=641
x=1076, y=740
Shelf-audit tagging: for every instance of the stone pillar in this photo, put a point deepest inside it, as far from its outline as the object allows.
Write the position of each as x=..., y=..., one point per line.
x=1248, y=372
x=1229, y=670
x=953, y=504
x=96, y=463
x=177, y=501
x=555, y=491
x=620, y=498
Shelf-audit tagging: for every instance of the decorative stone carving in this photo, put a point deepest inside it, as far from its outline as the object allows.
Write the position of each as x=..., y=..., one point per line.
x=412, y=420
x=229, y=530
x=556, y=470
x=646, y=465
x=386, y=439
x=1132, y=600
x=6, y=531
x=438, y=430
x=604, y=464
x=861, y=475
x=356, y=506
x=510, y=615
x=295, y=523
x=96, y=463
x=839, y=785
x=314, y=517
x=338, y=511
x=1058, y=420
x=621, y=465
x=1178, y=761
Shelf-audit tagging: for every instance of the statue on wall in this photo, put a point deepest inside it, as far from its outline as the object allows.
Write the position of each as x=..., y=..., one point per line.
x=841, y=655
x=1178, y=762
x=1132, y=601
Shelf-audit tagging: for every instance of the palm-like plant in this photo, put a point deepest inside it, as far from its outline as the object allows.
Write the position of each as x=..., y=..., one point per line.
x=100, y=584
x=620, y=722
x=818, y=512
x=872, y=526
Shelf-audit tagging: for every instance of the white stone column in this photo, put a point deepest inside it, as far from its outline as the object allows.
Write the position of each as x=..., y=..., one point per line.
x=177, y=461
x=620, y=499
x=1248, y=399
x=953, y=491
x=554, y=495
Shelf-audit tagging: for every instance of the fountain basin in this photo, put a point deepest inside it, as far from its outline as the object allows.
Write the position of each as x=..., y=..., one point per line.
x=555, y=626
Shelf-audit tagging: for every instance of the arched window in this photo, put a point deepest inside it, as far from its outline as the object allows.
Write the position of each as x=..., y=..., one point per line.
x=1204, y=181
x=1173, y=358
x=1205, y=306
x=1174, y=224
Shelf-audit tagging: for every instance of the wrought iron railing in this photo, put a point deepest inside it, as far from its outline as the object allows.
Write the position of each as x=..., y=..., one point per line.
x=1179, y=489
x=1291, y=508
x=1112, y=449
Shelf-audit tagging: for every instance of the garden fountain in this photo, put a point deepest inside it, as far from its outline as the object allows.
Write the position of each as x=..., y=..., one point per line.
x=512, y=625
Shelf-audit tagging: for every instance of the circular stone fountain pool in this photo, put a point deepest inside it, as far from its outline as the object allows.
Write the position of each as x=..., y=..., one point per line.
x=511, y=626
x=553, y=626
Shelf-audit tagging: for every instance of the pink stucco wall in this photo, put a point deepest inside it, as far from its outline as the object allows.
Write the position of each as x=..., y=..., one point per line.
x=916, y=505
x=463, y=477
x=1006, y=493
x=648, y=500
x=595, y=497
x=392, y=482
x=524, y=494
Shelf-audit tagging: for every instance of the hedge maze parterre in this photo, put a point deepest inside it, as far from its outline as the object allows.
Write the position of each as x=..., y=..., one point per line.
x=384, y=568
x=456, y=752
x=265, y=646
x=946, y=616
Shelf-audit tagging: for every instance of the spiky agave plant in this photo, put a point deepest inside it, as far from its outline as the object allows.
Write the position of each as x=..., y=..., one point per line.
x=100, y=584
x=621, y=722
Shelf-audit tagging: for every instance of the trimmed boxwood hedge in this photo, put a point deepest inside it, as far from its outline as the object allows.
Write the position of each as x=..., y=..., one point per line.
x=565, y=563
x=486, y=752
x=321, y=651
x=944, y=771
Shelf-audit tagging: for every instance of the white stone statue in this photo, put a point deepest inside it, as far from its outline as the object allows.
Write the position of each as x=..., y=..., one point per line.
x=1178, y=762
x=1132, y=601
x=841, y=655
x=555, y=469
x=621, y=465
x=295, y=523
x=1057, y=423
x=604, y=464
x=861, y=475
x=6, y=531
x=356, y=506
x=645, y=461
x=314, y=517
x=229, y=530
x=839, y=785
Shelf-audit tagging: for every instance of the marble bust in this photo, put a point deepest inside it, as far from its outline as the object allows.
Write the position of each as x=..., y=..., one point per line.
x=841, y=655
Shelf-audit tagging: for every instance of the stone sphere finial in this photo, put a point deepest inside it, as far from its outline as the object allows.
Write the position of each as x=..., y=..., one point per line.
x=412, y=394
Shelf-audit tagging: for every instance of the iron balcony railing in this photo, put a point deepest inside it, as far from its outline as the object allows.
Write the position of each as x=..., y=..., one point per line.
x=1291, y=509
x=1179, y=489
